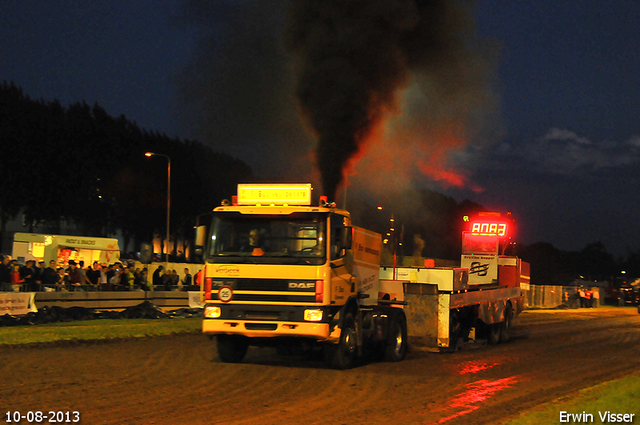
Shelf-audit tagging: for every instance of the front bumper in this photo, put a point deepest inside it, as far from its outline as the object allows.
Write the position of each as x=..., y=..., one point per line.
x=263, y=329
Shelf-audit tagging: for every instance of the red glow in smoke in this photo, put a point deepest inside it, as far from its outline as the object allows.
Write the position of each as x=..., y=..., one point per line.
x=436, y=167
x=435, y=170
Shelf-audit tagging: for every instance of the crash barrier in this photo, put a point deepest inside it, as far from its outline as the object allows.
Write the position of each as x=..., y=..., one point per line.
x=144, y=310
x=115, y=300
x=551, y=296
x=17, y=303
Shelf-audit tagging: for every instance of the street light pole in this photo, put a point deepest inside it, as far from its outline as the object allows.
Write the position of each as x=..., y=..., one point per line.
x=150, y=154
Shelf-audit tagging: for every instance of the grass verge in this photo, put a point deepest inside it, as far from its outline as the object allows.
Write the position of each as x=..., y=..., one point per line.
x=617, y=396
x=97, y=330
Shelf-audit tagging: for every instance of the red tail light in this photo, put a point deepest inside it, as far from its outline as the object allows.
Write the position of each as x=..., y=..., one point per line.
x=207, y=288
x=319, y=291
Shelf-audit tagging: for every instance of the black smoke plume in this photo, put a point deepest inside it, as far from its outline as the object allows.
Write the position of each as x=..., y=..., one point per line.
x=354, y=56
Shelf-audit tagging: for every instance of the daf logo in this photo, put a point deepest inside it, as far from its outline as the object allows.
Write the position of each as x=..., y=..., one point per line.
x=302, y=285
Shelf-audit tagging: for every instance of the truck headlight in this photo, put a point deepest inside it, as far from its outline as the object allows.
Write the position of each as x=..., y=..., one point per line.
x=313, y=315
x=212, y=312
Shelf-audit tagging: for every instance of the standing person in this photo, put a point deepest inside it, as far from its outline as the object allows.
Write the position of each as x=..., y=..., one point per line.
x=16, y=278
x=125, y=282
x=197, y=280
x=142, y=279
x=114, y=280
x=174, y=280
x=91, y=277
x=86, y=283
x=131, y=277
x=38, y=274
x=582, y=296
x=103, y=281
x=595, y=298
x=29, y=276
x=5, y=274
x=63, y=280
x=166, y=280
x=50, y=276
x=157, y=281
x=75, y=276
x=587, y=298
x=187, y=281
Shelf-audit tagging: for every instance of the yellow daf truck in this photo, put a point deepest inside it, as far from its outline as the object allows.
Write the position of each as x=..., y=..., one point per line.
x=280, y=271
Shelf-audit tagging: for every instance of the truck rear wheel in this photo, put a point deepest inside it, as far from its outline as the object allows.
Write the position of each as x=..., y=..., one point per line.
x=340, y=356
x=396, y=347
x=232, y=348
x=505, y=329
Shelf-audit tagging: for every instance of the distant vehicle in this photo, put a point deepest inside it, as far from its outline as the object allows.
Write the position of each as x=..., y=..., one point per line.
x=630, y=294
x=635, y=295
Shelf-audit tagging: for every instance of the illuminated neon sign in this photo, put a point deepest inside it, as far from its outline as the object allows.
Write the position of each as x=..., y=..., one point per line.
x=491, y=228
x=274, y=194
x=489, y=224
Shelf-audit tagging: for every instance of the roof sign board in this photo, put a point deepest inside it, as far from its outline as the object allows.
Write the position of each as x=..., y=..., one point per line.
x=274, y=194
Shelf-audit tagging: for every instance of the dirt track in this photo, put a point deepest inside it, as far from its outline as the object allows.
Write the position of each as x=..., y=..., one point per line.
x=179, y=380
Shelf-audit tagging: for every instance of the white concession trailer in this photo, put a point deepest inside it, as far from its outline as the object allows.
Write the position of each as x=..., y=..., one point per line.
x=61, y=249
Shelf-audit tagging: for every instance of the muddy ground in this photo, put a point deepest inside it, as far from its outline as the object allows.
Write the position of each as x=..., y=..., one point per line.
x=179, y=379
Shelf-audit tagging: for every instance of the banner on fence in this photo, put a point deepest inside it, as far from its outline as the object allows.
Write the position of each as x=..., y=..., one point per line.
x=195, y=300
x=17, y=303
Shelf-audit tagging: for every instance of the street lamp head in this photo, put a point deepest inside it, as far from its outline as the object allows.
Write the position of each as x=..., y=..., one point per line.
x=148, y=154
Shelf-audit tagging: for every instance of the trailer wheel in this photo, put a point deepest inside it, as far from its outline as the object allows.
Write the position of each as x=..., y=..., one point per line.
x=340, y=356
x=396, y=347
x=494, y=333
x=232, y=348
x=505, y=329
x=455, y=331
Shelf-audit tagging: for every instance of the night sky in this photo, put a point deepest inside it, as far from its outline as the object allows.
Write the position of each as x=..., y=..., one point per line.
x=552, y=132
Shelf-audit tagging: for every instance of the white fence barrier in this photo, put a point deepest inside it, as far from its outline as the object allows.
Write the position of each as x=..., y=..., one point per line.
x=550, y=296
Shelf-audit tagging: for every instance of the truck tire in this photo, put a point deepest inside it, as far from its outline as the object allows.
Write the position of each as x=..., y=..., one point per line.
x=455, y=331
x=505, y=328
x=396, y=347
x=340, y=356
x=493, y=333
x=232, y=348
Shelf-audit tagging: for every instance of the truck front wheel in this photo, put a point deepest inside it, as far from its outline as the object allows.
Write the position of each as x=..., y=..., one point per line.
x=396, y=347
x=232, y=348
x=340, y=356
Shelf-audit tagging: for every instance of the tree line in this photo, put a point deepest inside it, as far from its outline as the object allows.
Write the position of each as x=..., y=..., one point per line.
x=79, y=164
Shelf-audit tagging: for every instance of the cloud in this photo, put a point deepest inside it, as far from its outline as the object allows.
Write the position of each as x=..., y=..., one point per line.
x=562, y=134
x=559, y=152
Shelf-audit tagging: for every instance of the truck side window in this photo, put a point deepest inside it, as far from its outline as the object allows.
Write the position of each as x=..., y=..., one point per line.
x=337, y=226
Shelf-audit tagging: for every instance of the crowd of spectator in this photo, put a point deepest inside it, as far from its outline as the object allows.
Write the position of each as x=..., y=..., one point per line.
x=35, y=276
x=582, y=298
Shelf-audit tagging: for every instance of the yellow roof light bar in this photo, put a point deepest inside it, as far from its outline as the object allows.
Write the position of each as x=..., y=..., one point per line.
x=274, y=194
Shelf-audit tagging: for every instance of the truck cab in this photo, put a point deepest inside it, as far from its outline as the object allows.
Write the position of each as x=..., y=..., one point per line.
x=280, y=270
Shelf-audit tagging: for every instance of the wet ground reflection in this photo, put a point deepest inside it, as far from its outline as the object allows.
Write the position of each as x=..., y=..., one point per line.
x=475, y=393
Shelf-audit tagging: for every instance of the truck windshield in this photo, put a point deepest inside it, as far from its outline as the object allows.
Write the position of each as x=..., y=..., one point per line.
x=297, y=238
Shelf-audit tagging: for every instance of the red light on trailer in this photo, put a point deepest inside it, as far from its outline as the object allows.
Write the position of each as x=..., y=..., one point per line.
x=319, y=291
x=234, y=200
